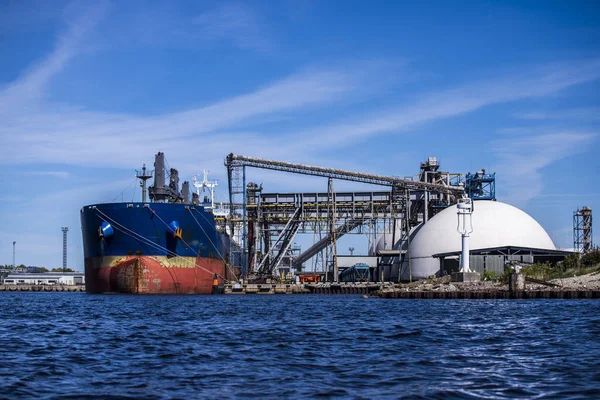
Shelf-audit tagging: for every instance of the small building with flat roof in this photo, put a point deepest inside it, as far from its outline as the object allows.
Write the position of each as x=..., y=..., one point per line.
x=45, y=278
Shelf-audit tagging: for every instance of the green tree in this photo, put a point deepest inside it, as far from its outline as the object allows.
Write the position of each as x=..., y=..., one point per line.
x=62, y=270
x=570, y=262
x=591, y=259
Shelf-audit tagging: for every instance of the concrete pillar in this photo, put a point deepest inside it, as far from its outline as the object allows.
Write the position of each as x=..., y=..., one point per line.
x=516, y=282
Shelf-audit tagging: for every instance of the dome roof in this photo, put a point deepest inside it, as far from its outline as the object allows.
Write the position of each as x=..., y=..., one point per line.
x=495, y=224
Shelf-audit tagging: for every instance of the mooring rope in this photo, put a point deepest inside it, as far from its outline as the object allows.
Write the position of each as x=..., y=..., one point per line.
x=205, y=234
x=134, y=234
x=211, y=242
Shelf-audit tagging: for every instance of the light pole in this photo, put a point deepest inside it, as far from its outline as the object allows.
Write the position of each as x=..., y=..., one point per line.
x=14, y=265
x=64, y=231
x=465, y=228
x=351, y=250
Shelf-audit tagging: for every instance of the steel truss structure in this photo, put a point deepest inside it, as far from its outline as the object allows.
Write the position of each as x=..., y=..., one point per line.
x=582, y=230
x=268, y=222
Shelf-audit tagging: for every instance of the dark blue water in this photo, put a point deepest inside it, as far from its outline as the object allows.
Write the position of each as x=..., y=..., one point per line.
x=76, y=345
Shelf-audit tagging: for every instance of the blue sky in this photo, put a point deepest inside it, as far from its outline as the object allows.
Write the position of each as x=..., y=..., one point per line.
x=91, y=90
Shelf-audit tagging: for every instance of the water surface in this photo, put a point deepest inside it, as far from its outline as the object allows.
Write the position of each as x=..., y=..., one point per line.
x=74, y=345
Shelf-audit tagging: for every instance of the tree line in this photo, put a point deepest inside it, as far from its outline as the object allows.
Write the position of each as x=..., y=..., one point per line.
x=23, y=268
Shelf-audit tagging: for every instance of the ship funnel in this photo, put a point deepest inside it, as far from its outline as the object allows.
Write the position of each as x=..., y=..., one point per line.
x=159, y=192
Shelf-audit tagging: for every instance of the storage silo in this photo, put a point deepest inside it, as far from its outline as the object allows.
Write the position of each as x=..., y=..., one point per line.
x=495, y=224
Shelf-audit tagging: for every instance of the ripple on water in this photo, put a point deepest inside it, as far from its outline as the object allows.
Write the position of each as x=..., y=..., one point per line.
x=72, y=345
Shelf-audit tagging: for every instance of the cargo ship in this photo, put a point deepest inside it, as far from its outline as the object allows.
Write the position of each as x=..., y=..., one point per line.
x=168, y=245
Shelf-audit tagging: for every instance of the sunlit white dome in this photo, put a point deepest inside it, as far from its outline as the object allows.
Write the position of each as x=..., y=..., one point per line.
x=495, y=224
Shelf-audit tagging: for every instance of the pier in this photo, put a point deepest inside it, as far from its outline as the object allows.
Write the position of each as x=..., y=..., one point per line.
x=318, y=288
x=384, y=290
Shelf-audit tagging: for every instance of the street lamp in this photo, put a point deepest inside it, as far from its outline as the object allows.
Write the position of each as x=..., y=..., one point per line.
x=351, y=250
x=14, y=265
x=465, y=228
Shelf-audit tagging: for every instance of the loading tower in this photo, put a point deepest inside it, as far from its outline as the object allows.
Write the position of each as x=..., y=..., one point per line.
x=481, y=186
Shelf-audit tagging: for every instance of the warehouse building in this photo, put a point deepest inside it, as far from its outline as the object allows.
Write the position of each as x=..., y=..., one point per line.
x=47, y=278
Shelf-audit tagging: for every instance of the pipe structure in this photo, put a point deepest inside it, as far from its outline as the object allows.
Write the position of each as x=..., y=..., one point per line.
x=465, y=228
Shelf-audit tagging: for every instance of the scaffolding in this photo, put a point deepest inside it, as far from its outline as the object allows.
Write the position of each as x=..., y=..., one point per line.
x=236, y=175
x=582, y=230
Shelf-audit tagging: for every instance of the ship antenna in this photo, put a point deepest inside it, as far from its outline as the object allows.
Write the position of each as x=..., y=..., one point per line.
x=143, y=176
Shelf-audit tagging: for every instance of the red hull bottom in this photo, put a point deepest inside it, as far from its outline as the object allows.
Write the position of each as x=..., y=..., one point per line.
x=154, y=275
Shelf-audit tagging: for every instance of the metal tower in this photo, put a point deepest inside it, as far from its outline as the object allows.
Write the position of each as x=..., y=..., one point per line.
x=64, y=231
x=236, y=175
x=582, y=230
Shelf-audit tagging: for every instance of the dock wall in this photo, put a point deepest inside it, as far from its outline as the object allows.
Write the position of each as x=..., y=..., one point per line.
x=42, y=288
x=496, y=294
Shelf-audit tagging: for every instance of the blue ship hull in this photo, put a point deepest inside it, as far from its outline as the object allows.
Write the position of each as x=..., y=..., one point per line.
x=153, y=248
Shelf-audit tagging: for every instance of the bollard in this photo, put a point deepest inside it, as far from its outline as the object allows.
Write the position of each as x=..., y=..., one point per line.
x=516, y=282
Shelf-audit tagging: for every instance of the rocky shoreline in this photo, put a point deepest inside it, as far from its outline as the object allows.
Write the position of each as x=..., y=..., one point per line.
x=584, y=286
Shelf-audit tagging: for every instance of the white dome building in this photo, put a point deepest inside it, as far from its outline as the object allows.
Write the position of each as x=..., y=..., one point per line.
x=495, y=224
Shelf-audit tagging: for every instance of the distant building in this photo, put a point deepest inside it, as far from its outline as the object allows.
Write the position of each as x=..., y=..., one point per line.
x=32, y=269
x=47, y=278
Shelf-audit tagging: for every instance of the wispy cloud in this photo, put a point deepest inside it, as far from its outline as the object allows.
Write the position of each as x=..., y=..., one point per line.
x=43, y=132
x=32, y=84
x=54, y=174
x=49, y=133
x=464, y=99
x=522, y=159
x=233, y=22
x=584, y=114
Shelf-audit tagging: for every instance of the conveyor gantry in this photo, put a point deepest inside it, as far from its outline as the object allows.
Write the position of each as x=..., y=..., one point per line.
x=282, y=211
x=234, y=160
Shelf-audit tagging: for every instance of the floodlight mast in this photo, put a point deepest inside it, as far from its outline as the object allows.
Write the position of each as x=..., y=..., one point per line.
x=465, y=228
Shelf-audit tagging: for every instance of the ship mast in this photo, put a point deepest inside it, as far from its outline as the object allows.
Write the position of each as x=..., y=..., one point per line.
x=143, y=176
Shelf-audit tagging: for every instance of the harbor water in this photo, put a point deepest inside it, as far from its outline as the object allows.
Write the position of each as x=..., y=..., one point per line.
x=76, y=345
